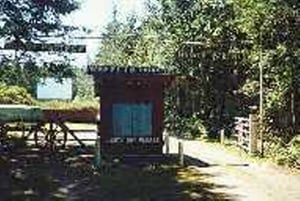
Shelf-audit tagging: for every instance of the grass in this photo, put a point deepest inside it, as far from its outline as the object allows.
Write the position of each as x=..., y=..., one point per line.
x=76, y=104
x=68, y=175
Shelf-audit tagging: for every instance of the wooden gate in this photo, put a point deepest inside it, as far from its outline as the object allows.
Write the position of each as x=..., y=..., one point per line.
x=245, y=133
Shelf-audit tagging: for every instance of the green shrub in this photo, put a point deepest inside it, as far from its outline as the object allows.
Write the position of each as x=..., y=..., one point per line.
x=14, y=95
x=285, y=154
x=83, y=86
x=188, y=127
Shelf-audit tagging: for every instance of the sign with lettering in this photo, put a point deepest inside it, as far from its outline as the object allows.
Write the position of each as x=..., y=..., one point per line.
x=129, y=140
x=46, y=47
x=125, y=70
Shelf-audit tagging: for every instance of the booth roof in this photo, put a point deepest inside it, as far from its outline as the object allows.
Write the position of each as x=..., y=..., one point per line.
x=108, y=69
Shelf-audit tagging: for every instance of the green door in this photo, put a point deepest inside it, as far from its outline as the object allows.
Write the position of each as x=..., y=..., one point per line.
x=132, y=120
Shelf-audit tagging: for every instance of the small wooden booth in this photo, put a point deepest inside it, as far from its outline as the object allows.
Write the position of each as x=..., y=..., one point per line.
x=131, y=108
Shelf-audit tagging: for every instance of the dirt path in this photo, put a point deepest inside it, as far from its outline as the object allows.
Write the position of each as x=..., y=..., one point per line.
x=242, y=179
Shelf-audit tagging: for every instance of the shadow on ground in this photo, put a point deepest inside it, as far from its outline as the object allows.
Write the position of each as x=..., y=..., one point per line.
x=200, y=163
x=33, y=174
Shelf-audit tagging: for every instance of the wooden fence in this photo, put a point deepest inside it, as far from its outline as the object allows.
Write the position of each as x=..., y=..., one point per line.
x=245, y=133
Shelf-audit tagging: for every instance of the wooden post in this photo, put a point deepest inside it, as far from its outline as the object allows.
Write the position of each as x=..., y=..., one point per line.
x=51, y=136
x=98, y=120
x=293, y=111
x=65, y=139
x=97, y=153
x=167, y=142
x=97, y=144
x=253, y=128
x=222, y=136
x=180, y=153
x=22, y=125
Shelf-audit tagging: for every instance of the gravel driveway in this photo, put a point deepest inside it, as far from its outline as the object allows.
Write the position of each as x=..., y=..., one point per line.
x=242, y=179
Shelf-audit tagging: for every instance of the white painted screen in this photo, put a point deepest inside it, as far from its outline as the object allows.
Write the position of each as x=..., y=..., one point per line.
x=51, y=89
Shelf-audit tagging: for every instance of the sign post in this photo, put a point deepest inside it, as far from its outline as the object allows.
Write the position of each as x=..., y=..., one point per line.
x=167, y=142
x=97, y=153
x=180, y=152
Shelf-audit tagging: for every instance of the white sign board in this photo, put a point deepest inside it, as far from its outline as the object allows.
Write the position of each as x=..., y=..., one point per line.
x=129, y=140
x=50, y=88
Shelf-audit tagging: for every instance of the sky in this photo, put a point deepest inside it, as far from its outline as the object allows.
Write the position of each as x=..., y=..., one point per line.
x=94, y=15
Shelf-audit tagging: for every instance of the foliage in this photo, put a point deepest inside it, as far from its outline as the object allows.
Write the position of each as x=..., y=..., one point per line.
x=187, y=127
x=128, y=43
x=28, y=74
x=216, y=48
x=14, y=95
x=193, y=126
x=273, y=31
x=25, y=21
x=32, y=21
x=162, y=36
x=83, y=86
x=285, y=154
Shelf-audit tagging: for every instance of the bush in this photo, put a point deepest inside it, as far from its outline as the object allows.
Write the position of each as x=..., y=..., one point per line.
x=188, y=127
x=285, y=154
x=83, y=85
x=14, y=95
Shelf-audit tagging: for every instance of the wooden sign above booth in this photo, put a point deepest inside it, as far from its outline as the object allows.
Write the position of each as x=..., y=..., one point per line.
x=128, y=77
x=117, y=70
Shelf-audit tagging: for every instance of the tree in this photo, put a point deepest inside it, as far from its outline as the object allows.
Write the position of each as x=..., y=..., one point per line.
x=137, y=42
x=83, y=86
x=161, y=40
x=217, y=47
x=24, y=22
x=274, y=31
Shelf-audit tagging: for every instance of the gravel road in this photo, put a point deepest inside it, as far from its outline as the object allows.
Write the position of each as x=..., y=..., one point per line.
x=241, y=179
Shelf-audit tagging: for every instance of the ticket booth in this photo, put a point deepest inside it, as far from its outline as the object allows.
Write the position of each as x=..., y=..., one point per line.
x=131, y=108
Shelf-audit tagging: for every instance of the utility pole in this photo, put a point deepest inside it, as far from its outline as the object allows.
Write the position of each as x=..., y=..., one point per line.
x=261, y=102
x=261, y=93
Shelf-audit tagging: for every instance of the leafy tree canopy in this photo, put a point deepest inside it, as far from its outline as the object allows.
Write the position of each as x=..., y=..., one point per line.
x=28, y=20
x=23, y=21
x=222, y=43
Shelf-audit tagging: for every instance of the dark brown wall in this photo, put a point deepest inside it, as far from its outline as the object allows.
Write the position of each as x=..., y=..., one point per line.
x=131, y=89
